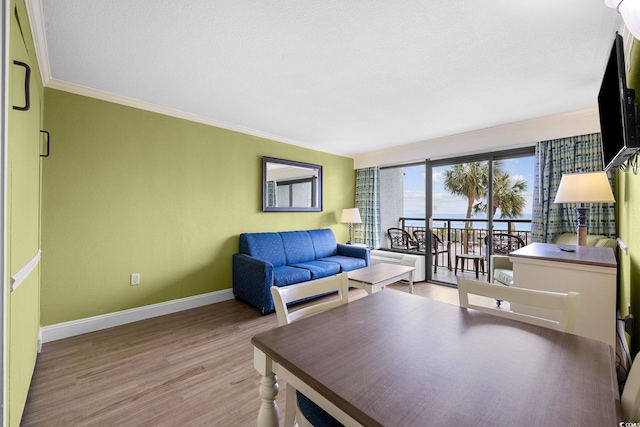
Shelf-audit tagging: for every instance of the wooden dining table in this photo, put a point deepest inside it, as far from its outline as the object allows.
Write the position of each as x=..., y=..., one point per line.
x=395, y=359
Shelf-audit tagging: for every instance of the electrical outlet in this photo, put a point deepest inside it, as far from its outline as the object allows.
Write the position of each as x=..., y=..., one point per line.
x=135, y=279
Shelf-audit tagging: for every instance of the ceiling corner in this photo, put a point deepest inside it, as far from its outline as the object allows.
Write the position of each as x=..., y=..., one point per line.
x=36, y=22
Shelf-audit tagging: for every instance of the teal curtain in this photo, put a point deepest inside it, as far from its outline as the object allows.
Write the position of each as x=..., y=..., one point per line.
x=567, y=155
x=271, y=193
x=368, y=202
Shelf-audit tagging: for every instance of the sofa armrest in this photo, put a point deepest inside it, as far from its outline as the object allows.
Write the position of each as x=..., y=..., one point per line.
x=252, y=280
x=607, y=243
x=355, y=252
x=501, y=261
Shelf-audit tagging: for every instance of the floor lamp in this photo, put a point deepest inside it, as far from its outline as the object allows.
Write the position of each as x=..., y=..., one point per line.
x=581, y=188
x=351, y=216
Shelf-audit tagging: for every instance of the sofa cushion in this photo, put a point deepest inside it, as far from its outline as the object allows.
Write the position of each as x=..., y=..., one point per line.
x=319, y=269
x=607, y=243
x=285, y=275
x=346, y=263
x=324, y=243
x=592, y=240
x=298, y=247
x=264, y=246
x=503, y=276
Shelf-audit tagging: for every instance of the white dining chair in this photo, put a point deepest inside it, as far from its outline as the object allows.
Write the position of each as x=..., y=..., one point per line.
x=566, y=304
x=282, y=296
x=630, y=399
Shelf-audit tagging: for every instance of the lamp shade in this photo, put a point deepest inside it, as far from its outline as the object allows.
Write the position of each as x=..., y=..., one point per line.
x=587, y=187
x=630, y=11
x=351, y=216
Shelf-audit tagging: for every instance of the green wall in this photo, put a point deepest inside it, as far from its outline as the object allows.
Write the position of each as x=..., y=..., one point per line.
x=130, y=191
x=628, y=214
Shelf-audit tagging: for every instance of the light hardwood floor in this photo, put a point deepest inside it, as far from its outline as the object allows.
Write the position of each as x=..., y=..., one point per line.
x=193, y=368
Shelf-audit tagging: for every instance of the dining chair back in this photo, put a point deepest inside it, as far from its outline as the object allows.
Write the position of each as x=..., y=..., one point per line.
x=630, y=399
x=282, y=296
x=401, y=239
x=307, y=413
x=565, y=304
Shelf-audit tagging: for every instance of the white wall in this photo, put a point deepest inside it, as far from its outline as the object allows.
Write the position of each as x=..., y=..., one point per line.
x=391, y=201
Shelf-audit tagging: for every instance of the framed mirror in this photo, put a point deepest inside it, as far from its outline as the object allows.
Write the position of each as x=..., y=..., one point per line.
x=289, y=186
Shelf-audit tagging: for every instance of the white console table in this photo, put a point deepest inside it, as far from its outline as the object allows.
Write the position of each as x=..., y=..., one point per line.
x=589, y=270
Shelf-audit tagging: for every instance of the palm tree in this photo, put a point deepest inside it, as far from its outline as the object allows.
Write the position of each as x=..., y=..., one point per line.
x=507, y=196
x=470, y=180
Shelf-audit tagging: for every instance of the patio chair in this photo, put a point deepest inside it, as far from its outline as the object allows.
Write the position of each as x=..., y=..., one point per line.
x=307, y=413
x=401, y=239
x=500, y=266
x=439, y=247
x=504, y=243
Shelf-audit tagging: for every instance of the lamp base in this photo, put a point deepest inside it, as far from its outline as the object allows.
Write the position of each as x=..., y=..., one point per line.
x=582, y=236
x=582, y=224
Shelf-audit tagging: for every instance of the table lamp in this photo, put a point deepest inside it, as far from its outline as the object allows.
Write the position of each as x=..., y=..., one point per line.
x=351, y=216
x=581, y=188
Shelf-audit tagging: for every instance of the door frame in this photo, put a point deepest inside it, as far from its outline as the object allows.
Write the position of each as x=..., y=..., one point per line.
x=4, y=86
x=481, y=157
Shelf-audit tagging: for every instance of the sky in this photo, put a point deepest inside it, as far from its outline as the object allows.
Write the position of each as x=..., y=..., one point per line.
x=443, y=202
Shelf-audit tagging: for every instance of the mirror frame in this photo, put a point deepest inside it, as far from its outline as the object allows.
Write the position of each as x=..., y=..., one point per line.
x=317, y=168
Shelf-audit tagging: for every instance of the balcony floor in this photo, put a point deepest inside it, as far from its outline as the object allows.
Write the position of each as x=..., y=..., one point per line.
x=443, y=275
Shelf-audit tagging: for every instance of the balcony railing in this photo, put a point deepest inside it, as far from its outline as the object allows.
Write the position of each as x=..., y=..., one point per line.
x=461, y=239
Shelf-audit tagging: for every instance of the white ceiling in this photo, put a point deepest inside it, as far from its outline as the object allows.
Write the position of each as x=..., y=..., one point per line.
x=341, y=76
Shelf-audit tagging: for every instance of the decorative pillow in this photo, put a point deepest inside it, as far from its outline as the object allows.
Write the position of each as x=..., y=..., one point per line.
x=503, y=276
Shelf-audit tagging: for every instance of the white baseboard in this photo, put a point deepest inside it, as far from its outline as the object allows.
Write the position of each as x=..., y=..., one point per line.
x=96, y=323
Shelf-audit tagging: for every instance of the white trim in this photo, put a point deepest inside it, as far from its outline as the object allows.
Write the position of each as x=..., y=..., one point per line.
x=4, y=267
x=622, y=245
x=36, y=20
x=146, y=106
x=22, y=274
x=96, y=323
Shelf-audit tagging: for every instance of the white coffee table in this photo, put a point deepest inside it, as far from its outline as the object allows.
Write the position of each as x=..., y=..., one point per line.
x=375, y=277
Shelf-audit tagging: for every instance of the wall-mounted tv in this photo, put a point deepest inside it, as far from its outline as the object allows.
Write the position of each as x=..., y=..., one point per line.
x=617, y=107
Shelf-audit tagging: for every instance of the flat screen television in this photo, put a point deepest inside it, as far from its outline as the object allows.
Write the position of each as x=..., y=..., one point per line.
x=617, y=107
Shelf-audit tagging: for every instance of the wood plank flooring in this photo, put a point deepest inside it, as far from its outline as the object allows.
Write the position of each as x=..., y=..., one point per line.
x=193, y=368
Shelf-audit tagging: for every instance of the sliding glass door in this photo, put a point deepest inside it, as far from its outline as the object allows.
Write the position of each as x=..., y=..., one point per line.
x=477, y=206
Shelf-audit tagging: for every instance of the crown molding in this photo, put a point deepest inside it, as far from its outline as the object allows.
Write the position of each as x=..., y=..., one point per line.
x=147, y=106
x=36, y=22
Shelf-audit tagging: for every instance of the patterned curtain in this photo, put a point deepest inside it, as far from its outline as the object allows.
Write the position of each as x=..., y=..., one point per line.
x=567, y=155
x=368, y=202
x=271, y=193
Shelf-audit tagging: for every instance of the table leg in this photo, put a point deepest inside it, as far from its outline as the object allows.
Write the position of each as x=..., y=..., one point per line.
x=476, y=265
x=411, y=282
x=269, y=414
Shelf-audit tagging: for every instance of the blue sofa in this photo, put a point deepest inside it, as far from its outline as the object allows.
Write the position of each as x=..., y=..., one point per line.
x=286, y=258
